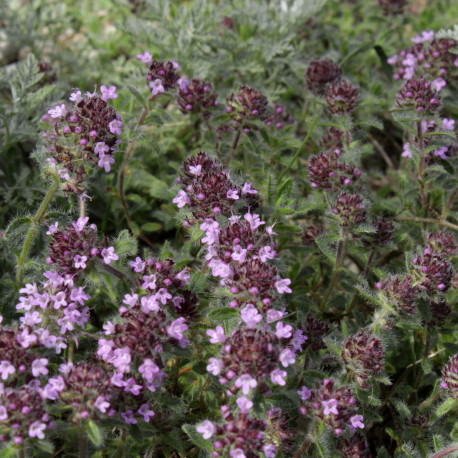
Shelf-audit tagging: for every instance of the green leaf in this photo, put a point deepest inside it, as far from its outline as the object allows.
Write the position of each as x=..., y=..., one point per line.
x=8, y=452
x=135, y=93
x=125, y=244
x=446, y=406
x=223, y=313
x=93, y=432
x=151, y=227
x=197, y=438
x=288, y=228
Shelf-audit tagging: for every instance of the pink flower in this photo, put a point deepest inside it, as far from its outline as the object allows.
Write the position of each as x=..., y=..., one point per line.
x=3, y=413
x=215, y=366
x=149, y=282
x=247, y=189
x=130, y=300
x=80, y=261
x=246, y=382
x=183, y=84
x=25, y=339
x=128, y=417
x=448, y=124
x=330, y=407
x=357, y=421
x=282, y=286
x=109, y=255
x=244, y=404
x=253, y=220
x=146, y=57
x=266, y=253
x=217, y=335
x=149, y=304
x=181, y=199
x=239, y=254
x=79, y=224
x=58, y=111
x=36, y=429
x=102, y=404
x=53, y=228
x=108, y=93
x=105, y=162
x=237, y=453
x=177, y=328
x=207, y=429
x=406, y=152
x=287, y=357
x=149, y=370
x=39, y=367
x=269, y=450
x=232, y=194
x=195, y=169
x=283, y=330
x=6, y=369
x=145, y=411
x=439, y=84
x=115, y=126
x=75, y=96
x=156, y=86
x=250, y=315
x=278, y=377
x=101, y=148
x=138, y=265
x=304, y=393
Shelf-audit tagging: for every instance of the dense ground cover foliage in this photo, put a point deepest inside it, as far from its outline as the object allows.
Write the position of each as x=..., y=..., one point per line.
x=228, y=228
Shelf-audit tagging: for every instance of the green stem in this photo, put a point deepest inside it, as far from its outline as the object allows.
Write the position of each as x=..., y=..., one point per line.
x=37, y=220
x=122, y=443
x=293, y=160
x=335, y=273
x=83, y=444
x=71, y=348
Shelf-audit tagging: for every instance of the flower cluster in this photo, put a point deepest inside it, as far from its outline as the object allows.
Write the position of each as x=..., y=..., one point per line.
x=196, y=96
x=399, y=292
x=441, y=243
x=417, y=94
x=315, y=330
x=319, y=73
x=428, y=57
x=432, y=272
x=326, y=172
x=72, y=248
x=133, y=346
x=363, y=355
x=58, y=302
x=335, y=406
x=279, y=118
x=383, y=234
x=354, y=447
x=333, y=139
x=209, y=190
x=450, y=376
x=161, y=76
x=17, y=356
x=246, y=106
x=241, y=436
x=349, y=209
x=340, y=97
x=83, y=134
x=23, y=413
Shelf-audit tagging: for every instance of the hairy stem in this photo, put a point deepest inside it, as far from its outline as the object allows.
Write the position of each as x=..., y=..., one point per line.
x=83, y=444
x=335, y=273
x=305, y=445
x=114, y=271
x=122, y=443
x=439, y=222
x=122, y=175
x=37, y=220
x=445, y=452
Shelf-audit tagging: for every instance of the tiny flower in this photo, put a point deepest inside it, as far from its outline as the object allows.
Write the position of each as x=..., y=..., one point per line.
x=102, y=404
x=330, y=407
x=36, y=430
x=149, y=370
x=101, y=148
x=146, y=57
x=246, y=382
x=80, y=223
x=183, y=84
x=181, y=199
x=304, y=393
x=54, y=227
x=149, y=282
x=105, y=162
x=128, y=417
x=76, y=96
x=440, y=152
x=215, y=366
x=250, y=315
x=287, y=357
x=177, y=328
x=39, y=367
x=247, y=189
x=237, y=453
x=156, y=86
x=253, y=220
x=269, y=450
x=447, y=124
x=406, y=152
x=217, y=335
x=232, y=194
x=58, y=111
x=109, y=255
x=278, y=377
x=357, y=421
x=195, y=170
x=438, y=84
x=108, y=93
x=145, y=411
x=207, y=429
x=115, y=127
x=282, y=286
x=80, y=261
x=6, y=369
x=3, y=413
x=283, y=331
x=244, y=404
